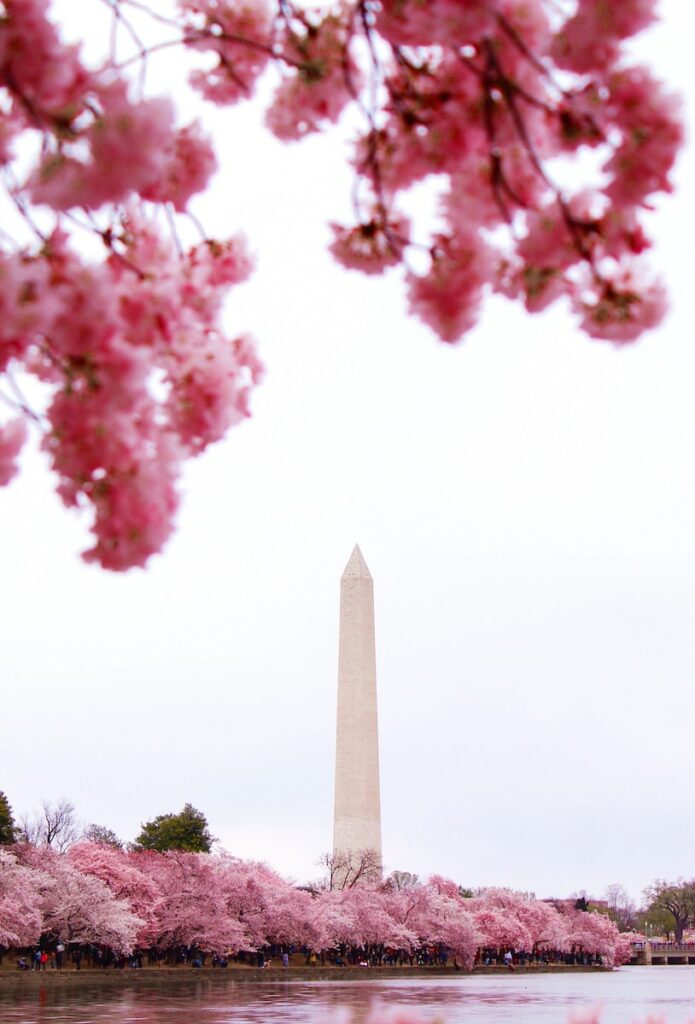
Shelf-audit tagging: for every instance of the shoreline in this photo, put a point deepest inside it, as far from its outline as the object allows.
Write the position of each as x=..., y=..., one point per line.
x=31, y=980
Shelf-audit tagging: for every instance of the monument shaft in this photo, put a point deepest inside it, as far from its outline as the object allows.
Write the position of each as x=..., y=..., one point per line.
x=357, y=821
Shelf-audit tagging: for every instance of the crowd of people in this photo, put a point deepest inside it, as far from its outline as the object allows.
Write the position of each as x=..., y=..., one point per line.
x=52, y=956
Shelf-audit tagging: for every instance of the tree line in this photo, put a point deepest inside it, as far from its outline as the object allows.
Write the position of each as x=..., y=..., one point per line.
x=668, y=909
x=56, y=826
x=167, y=890
x=667, y=912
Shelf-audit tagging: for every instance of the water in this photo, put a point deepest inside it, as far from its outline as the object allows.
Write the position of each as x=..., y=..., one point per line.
x=624, y=997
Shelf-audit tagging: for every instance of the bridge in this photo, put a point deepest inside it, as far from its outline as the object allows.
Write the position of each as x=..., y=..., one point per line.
x=663, y=953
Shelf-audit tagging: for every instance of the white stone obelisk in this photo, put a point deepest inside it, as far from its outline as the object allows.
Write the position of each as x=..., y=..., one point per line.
x=357, y=818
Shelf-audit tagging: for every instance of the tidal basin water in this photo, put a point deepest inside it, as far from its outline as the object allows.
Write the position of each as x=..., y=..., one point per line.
x=623, y=997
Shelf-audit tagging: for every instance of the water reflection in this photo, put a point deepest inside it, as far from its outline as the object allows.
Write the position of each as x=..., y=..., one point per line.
x=625, y=996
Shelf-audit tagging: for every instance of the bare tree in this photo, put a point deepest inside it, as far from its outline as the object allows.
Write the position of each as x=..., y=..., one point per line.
x=103, y=835
x=621, y=907
x=400, y=880
x=55, y=825
x=346, y=870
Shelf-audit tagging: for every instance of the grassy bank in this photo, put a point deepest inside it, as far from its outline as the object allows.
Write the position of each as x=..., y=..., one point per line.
x=12, y=978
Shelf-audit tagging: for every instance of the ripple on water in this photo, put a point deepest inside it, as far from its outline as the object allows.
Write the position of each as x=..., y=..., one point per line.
x=624, y=997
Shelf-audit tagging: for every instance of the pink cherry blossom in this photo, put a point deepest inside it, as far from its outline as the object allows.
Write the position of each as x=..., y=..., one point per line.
x=128, y=146
x=469, y=201
x=20, y=911
x=187, y=170
x=443, y=886
x=485, y=99
x=652, y=133
x=45, y=76
x=27, y=303
x=620, y=308
x=434, y=121
x=449, y=296
x=190, y=908
x=12, y=438
x=372, y=246
x=120, y=899
x=11, y=127
x=593, y=933
x=589, y=41
x=427, y=22
x=320, y=80
x=76, y=907
x=238, y=33
x=121, y=872
x=499, y=929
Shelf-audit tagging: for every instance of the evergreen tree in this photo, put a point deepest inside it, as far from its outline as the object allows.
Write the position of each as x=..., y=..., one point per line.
x=8, y=831
x=187, y=830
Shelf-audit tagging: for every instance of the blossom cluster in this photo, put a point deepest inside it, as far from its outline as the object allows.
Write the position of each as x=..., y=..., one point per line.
x=485, y=95
x=140, y=372
x=123, y=900
x=482, y=97
x=129, y=347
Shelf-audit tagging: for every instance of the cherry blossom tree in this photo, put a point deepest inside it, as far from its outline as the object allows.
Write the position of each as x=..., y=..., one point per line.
x=266, y=906
x=123, y=874
x=20, y=912
x=189, y=908
x=331, y=922
x=446, y=919
x=77, y=907
x=405, y=918
x=499, y=930
x=122, y=899
x=547, y=927
x=539, y=924
x=623, y=947
x=457, y=931
x=370, y=921
x=408, y=908
x=594, y=933
x=444, y=886
x=107, y=301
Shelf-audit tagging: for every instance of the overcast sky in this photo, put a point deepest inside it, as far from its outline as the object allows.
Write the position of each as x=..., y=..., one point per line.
x=525, y=502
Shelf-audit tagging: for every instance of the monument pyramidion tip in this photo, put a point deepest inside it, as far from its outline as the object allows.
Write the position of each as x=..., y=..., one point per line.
x=356, y=565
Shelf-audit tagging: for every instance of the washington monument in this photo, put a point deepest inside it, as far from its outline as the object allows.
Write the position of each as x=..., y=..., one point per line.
x=357, y=820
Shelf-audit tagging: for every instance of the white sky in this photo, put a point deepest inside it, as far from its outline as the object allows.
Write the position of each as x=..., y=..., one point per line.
x=525, y=502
